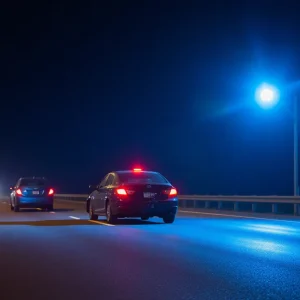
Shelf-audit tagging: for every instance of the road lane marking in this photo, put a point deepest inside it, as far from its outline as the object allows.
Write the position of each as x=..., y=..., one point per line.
x=52, y=212
x=101, y=223
x=4, y=202
x=236, y=216
x=72, y=201
x=74, y=218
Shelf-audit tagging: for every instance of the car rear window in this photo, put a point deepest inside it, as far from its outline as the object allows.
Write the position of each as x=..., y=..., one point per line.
x=33, y=182
x=142, y=177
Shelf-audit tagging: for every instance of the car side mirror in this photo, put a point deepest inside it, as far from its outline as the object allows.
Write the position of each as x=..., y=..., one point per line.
x=92, y=187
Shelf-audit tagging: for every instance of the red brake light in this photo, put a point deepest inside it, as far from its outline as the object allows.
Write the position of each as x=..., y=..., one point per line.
x=173, y=192
x=137, y=170
x=121, y=192
x=19, y=192
x=51, y=192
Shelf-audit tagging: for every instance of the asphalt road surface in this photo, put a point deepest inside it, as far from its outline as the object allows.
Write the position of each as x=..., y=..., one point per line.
x=62, y=255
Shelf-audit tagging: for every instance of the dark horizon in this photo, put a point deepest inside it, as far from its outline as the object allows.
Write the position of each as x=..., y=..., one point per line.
x=90, y=89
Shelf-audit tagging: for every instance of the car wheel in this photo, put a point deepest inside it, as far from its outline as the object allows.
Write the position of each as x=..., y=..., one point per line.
x=168, y=219
x=92, y=214
x=16, y=208
x=11, y=207
x=50, y=207
x=144, y=218
x=109, y=216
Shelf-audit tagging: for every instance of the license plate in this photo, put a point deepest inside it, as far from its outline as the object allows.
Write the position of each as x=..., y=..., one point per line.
x=149, y=195
x=35, y=192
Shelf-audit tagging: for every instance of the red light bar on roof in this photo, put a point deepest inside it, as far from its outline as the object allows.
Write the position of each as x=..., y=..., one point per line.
x=137, y=170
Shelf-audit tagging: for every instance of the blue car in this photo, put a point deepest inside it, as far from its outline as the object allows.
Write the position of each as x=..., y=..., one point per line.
x=31, y=192
x=134, y=193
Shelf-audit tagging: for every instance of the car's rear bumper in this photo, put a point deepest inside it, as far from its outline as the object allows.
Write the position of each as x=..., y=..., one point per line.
x=149, y=209
x=34, y=201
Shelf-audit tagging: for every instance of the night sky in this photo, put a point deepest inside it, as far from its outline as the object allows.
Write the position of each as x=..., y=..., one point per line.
x=88, y=87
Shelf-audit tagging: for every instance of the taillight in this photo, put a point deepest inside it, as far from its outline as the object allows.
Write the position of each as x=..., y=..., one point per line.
x=130, y=192
x=51, y=192
x=19, y=192
x=171, y=193
x=121, y=192
x=124, y=193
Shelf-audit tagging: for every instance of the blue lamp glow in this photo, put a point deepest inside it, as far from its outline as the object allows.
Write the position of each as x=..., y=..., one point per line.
x=267, y=96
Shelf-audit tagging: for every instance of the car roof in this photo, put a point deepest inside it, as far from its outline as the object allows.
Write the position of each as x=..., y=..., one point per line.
x=34, y=177
x=131, y=171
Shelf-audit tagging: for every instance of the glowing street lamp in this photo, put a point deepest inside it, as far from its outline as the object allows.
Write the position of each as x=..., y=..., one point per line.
x=267, y=96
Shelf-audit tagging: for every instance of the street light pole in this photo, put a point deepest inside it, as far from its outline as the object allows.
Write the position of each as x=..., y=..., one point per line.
x=267, y=97
x=295, y=146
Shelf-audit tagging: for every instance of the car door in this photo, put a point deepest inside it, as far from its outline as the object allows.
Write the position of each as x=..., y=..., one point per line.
x=103, y=190
x=97, y=194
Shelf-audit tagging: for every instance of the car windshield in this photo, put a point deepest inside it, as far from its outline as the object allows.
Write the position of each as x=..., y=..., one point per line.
x=32, y=182
x=142, y=177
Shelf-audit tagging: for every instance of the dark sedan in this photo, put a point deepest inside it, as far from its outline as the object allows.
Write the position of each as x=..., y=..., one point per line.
x=31, y=192
x=136, y=193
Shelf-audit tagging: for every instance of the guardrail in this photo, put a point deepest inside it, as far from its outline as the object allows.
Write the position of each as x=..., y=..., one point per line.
x=274, y=204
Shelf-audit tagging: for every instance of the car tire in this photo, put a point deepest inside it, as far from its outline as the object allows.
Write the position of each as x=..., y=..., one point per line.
x=92, y=215
x=16, y=208
x=144, y=218
x=11, y=207
x=169, y=219
x=50, y=207
x=110, y=218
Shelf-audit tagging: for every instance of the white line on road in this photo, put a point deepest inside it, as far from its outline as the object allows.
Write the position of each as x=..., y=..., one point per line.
x=74, y=218
x=236, y=216
x=101, y=223
x=51, y=212
x=4, y=202
x=72, y=201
